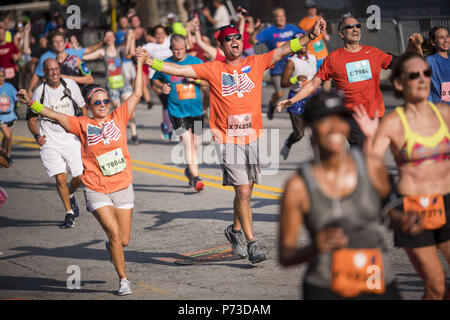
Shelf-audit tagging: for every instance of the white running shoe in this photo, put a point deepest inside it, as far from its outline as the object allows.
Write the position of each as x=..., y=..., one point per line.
x=124, y=287
x=285, y=151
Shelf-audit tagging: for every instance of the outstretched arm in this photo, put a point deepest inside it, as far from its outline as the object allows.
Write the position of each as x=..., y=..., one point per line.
x=171, y=68
x=287, y=47
x=305, y=91
x=37, y=107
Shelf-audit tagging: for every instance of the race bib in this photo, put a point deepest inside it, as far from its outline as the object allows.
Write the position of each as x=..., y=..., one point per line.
x=358, y=71
x=116, y=82
x=445, y=91
x=240, y=125
x=430, y=207
x=185, y=91
x=112, y=162
x=4, y=104
x=318, y=46
x=10, y=73
x=356, y=271
x=115, y=78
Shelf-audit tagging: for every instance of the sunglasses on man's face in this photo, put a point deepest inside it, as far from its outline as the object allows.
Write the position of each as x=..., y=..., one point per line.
x=415, y=75
x=351, y=26
x=99, y=102
x=228, y=38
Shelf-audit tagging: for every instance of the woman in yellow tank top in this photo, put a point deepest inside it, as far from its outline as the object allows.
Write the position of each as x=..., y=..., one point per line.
x=418, y=136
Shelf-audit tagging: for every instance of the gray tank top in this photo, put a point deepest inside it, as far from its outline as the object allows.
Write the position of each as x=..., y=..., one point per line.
x=358, y=214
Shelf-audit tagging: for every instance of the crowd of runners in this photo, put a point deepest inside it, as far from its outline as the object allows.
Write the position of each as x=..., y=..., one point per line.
x=344, y=196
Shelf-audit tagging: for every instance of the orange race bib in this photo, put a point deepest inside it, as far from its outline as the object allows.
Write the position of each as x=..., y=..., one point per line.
x=185, y=91
x=356, y=271
x=430, y=207
x=240, y=125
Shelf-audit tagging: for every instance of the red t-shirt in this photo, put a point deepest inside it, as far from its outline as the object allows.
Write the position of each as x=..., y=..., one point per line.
x=358, y=75
x=246, y=38
x=103, y=150
x=235, y=97
x=6, y=61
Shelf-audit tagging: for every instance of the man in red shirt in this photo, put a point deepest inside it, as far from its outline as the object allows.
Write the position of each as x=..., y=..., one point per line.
x=355, y=69
x=236, y=120
x=9, y=55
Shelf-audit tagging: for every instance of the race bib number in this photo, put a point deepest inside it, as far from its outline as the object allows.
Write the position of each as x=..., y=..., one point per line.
x=358, y=71
x=356, y=271
x=430, y=207
x=240, y=125
x=116, y=82
x=185, y=91
x=10, y=73
x=112, y=162
x=4, y=104
x=445, y=91
x=279, y=44
x=318, y=46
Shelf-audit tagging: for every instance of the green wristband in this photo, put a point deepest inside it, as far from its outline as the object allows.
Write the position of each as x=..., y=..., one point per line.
x=157, y=64
x=295, y=45
x=293, y=80
x=197, y=81
x=37, y=107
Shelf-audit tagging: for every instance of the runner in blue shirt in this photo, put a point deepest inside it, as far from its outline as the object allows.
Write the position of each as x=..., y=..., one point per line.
x=185, y=107
x=273, y=37
x=7, y=115
x=440, y=65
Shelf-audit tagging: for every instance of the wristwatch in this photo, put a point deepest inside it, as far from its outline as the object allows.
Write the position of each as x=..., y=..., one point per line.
x=36, y=136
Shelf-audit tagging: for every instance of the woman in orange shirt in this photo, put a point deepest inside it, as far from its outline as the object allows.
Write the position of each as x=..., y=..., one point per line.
x=107, y=176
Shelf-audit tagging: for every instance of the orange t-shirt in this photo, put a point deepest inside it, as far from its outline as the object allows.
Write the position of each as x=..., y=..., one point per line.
x=316, y=47
x=235, y=97
x=99, y=138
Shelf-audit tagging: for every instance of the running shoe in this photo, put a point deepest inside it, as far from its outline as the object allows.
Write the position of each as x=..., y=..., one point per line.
x=149, y=105
x=198, y=184
x=135, y=140
x=285, y=151
x=271, y=110
x=69, y=221
x=255, y=254
x=124, y=287
x=188, y=175
x=164, y=134
x=237, y=240
x=74, y=207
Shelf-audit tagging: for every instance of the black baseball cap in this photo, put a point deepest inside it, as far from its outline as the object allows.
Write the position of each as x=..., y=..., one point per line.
x=324, y=104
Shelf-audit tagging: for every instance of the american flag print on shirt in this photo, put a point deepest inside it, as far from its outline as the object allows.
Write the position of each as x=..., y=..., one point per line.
x=106, y=132
x=236, y=83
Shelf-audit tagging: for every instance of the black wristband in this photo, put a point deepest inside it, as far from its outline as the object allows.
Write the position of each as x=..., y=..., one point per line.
x=309, y=36
x=36, y=136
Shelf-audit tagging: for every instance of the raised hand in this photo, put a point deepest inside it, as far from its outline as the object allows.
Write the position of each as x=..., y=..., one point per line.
x=142, y=55
x=367, y=125
x=319, y=27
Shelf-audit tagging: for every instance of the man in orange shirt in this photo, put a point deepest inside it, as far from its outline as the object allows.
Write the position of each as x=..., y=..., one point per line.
x=236, y=120
x=316, y=47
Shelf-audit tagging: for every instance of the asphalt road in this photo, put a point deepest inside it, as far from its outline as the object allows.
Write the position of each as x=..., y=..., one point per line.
x=177, y=248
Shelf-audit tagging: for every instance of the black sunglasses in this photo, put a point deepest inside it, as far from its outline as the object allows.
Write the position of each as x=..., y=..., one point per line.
x=236, y=36
x=351, y=26
x=99, y=102
x=415, y=75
